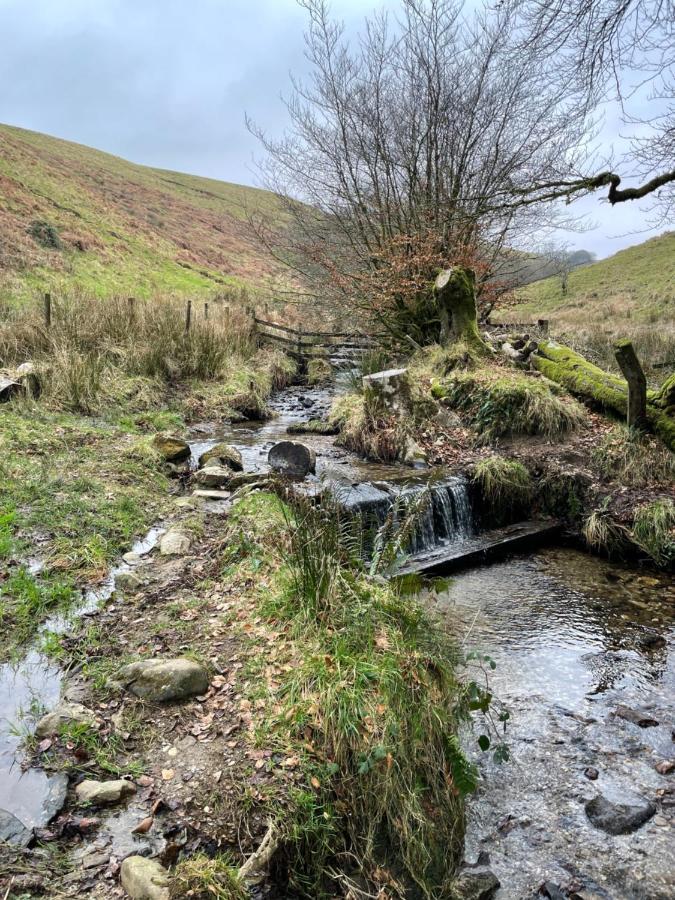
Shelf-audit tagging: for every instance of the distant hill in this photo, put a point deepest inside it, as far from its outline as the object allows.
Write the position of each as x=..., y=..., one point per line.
x=630, y=294
x=518, y=268
x=73, y=217
x=640, y=279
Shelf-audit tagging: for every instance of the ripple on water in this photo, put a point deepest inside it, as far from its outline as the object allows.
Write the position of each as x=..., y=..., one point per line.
x=567, y=632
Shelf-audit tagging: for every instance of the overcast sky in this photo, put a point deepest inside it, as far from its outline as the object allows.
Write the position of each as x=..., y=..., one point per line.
x=167, y=83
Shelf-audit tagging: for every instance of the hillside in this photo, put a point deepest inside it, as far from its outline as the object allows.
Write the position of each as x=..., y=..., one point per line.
x=630, y=294
x=71, y=216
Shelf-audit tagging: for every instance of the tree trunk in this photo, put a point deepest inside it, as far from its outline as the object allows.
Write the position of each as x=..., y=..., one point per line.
x=602, y=389
x=455, y=293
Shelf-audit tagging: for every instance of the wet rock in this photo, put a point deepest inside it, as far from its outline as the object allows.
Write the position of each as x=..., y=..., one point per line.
x=61, y=715
x=213, y=476
x=144, y=879
x=174, y=543
x=413, y=455
x=292, y=458
x=591, y=773
x=9, y=388
x=128, y=581
x=224, y=455
x=12, y=831
x=476, y=882
x=54, y=798
x=665, y=767
x=651, y=640
x=636, y=716
x=103, y=793
x=618, y=818
x=162, y=680
x=172, y=449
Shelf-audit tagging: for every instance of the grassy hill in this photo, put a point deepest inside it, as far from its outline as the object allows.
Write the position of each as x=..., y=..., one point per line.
x=630, y=294
x=73, y=217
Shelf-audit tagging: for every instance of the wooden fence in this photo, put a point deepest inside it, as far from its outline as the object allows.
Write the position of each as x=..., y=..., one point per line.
x=305, y=345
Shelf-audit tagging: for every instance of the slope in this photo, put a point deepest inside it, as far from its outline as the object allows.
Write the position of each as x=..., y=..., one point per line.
x=73, y=217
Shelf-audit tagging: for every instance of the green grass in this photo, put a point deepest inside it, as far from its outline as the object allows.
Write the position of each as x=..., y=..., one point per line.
x=628, y=295
x=654, y=531
x=634, y=459
x=371, y=709
x=505, y=487
x=117, y=227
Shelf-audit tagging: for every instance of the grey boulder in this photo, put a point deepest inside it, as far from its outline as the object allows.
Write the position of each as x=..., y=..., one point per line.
x=162, y=680
x=174, y=543
x=292, y=458
x=144, y=879
x=223, y=455
x=61, y=715
x=213, y=476
x=103, y=793
x=172, y=449
x=618, y=818
x=13, y=831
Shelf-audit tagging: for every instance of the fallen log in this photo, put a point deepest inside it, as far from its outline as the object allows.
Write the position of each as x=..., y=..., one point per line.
x=604, y=390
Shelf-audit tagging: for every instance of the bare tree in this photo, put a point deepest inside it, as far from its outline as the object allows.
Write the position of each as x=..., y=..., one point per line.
x=402, y=144
x=621, y=51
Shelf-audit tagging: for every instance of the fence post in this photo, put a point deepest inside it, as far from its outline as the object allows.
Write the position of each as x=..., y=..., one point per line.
x=543, y=326
x=48, y=311
x=188, y=316
x=206, y=310
x=132, y=308
x=637, y=384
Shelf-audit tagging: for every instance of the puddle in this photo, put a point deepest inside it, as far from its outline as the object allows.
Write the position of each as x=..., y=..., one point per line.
x=27, y=689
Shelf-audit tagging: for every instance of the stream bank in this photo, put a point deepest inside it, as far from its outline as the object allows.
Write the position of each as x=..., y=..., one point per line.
x=573, y=638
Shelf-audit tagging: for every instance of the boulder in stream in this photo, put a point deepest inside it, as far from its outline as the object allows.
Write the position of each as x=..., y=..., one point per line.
x=13, y=831
x=292, y=458
x=174, y=543
x=103, y=793
x=476, y=882
x=637, y=716
x=172, y=449
x=64, y=714
x=144, y=879
x=162, y=680
x=213, y=476
x=618, y=818
x=223, y=455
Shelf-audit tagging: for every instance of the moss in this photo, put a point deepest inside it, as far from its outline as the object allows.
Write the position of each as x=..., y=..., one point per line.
x=610, y=392
x=319, y=371
x=455, y=295
x=313, y=426
x=207, y=878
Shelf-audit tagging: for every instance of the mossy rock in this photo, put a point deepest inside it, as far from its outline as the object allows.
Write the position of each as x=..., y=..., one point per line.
x=225, y=455
x=319, y=371
x=313, y=426
x=172, y=449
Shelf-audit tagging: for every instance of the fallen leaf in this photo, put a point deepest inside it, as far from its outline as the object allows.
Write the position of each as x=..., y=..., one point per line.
x=315, y=783
x=144, y=826
x=167, y=774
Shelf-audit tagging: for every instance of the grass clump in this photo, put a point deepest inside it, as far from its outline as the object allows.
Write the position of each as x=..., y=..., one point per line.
x=207, y=878
x=502, y=403
x=654, y=531
x=26, y=599
x=377, y=439
x=505, y=486
x=371, y=707
x=319, y=371
x=313, y=426
x=604, y=534
x=633, y=458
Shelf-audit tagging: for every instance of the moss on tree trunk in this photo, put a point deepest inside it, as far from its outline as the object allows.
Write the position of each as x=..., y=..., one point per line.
x=455, y=293
x=591, y=383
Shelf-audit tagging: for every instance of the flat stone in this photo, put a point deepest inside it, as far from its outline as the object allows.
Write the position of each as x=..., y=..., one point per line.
x=618, y=818
x=636, y=716
x=144, y=879
x=224, y=455
x=292, y=458
x=61, y=715
x=174, y=543
x=172, y=449
x=213, y=476
x=14, y=832
x=162, y=680
x=103, y=793
x=128, y=581
x=212, y=495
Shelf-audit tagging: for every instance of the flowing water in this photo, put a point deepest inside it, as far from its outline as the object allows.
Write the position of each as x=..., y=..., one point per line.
x=572, y=637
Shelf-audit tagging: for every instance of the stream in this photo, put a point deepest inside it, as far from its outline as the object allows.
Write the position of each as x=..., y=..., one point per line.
x=573, y=637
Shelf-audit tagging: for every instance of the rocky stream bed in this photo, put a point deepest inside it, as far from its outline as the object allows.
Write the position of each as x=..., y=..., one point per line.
x=585, y=665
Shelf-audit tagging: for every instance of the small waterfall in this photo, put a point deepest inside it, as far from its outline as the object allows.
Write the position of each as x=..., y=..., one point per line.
x=437, y=514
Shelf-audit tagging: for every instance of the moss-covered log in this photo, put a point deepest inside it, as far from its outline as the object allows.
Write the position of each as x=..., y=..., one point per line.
x=604, y=390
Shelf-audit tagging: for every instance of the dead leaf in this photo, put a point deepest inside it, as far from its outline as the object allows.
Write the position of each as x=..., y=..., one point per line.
x=167, y=774
x=315, y=783
x=144, y=826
